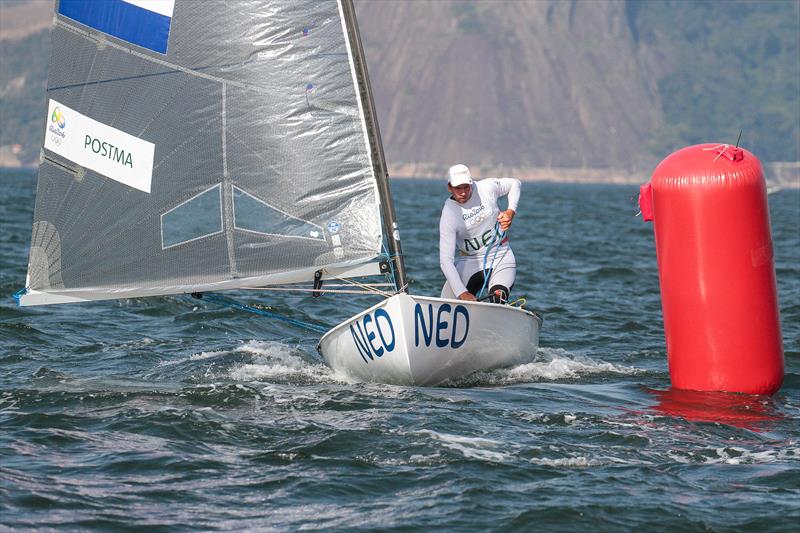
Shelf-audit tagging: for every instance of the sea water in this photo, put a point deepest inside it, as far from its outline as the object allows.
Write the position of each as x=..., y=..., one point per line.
x=175, y=414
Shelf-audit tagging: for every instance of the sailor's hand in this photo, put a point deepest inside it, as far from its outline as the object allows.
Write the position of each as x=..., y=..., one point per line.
x=505, y=218
x=468, y=296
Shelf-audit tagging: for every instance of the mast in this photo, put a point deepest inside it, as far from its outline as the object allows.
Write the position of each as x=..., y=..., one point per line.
x=373, y=131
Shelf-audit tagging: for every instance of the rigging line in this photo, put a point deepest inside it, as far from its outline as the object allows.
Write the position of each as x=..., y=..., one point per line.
x=367, y=288
x=230, y=302
x=19, y=294
x=309, y=287
x=363, y=286
x=520, y=301
x=299, y=289
x=132, y=77
x=496, y=243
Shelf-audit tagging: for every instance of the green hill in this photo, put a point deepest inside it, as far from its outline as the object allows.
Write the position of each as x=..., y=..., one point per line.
x=735, y=66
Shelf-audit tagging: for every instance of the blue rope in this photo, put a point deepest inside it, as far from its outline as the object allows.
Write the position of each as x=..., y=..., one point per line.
x=230, y=302
x=495, y=243
x=19, y=294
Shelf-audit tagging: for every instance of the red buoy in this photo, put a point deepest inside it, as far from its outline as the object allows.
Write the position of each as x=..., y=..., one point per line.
x=709, y=207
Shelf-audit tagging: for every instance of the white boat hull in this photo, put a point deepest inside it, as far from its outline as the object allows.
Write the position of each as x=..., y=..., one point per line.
x=419, y=340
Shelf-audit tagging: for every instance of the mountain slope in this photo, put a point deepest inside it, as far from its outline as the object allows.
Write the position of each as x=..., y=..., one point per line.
x=517, y=83
x=526, y=83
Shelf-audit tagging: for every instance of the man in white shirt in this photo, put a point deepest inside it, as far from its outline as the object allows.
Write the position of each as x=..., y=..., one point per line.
x=469, y=223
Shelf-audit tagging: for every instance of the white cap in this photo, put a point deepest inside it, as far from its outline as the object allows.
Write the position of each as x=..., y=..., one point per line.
x=459, y=175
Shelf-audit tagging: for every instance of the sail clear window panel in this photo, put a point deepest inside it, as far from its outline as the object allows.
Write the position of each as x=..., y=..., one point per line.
x=256, y=215
x=196, y=218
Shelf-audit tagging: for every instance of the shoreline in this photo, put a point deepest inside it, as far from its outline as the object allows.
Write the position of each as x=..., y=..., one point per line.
x=778, y=174
x=437, y=171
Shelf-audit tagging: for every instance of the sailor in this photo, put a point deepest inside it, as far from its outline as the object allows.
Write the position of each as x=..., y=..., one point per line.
x=473, y=223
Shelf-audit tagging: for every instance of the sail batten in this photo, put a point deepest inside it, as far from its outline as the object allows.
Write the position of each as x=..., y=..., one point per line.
x=261, y=166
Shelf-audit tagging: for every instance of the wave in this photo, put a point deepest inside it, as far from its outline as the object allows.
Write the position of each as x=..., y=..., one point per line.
x=275, y=361
x=568, y=462
x=197, y=357
x=732, y=455
x=470, y=447
x=551, y=364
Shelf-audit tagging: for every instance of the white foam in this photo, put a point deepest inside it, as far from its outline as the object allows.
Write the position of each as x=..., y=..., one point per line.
x=551, y=364
x=273, y=351
x=207, y=355
x=268, y=360
x=470, y=447
x=197, y=357
x=571, y=462
x=734, y=455
x=412, y=460
x=274, y=360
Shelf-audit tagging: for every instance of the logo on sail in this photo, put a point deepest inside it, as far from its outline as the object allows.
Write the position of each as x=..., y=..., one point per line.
x=57, y=135
x=108, y=151
x=58, y=117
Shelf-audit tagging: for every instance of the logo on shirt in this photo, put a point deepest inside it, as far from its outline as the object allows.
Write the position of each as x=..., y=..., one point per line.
x=474, y=215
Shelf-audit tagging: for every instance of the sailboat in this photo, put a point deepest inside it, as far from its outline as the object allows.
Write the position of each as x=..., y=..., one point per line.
x=193, y=147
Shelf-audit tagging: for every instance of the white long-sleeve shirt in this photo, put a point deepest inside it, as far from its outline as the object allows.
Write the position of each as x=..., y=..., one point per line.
x=469, y=227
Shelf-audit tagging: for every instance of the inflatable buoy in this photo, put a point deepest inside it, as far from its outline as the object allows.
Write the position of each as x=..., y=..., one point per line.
x=708, y=204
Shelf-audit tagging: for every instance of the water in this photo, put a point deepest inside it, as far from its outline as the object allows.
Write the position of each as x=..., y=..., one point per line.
x=172, y=414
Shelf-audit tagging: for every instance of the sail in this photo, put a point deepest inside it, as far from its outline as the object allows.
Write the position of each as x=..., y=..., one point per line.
x=193, y=146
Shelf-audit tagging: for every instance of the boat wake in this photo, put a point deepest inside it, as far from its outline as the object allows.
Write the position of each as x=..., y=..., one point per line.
x=253, y=361
x=551, y=364
x=277, y=362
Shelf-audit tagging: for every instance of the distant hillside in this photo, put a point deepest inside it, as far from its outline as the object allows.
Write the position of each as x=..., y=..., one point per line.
x=546, y=83
x=734, y=66
x=526, y=84
x=24, y=55
x=583, y=83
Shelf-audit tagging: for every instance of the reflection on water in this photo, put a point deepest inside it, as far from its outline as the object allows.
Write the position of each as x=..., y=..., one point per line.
x=746, y=411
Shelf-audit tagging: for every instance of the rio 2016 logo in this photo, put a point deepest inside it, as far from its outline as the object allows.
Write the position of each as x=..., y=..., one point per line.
x=57, y=134
x=58, y=118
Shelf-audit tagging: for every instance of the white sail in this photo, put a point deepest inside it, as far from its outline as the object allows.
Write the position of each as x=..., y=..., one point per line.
x=201, y=146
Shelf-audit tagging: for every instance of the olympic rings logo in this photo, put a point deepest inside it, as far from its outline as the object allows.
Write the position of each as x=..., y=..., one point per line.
x=58, y=118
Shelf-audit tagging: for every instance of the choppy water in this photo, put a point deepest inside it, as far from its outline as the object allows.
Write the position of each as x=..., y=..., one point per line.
x=171, y=414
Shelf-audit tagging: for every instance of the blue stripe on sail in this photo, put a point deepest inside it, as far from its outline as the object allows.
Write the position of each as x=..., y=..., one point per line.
x=122, y=20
